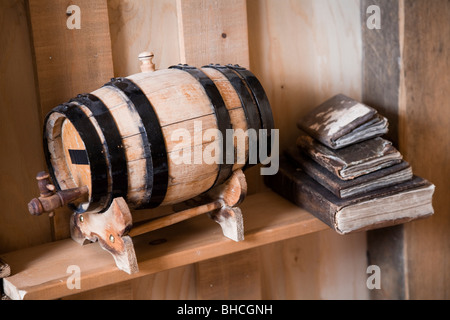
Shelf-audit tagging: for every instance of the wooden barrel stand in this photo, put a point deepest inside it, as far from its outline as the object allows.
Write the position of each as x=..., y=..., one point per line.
x=140, y=142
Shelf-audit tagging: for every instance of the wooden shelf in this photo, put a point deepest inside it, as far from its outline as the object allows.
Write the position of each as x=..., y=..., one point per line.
x=41, y=272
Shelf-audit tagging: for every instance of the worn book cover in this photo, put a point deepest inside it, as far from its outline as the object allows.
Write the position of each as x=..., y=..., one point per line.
x=342, y=121
x=389, y=206
x=352, y=161
x=382, y=178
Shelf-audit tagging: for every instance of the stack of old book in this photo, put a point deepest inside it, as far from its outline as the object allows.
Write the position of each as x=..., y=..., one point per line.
x=346, y=174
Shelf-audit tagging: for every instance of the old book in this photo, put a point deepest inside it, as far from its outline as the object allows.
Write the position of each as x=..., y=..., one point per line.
x=352, y=161
x=386, y=177
x=381, y=208
x=342, y=121
x=5, y=270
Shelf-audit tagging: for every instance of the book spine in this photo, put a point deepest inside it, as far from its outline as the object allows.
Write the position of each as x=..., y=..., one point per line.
x=298, y=188
x=316, y=172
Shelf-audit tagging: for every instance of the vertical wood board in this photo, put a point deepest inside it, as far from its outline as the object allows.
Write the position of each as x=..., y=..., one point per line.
x=68, y=61
x=304, y=52
x=20, y=132
x=414, y=258
x=173, y=284
x=232, y=277
x=216, y=32
x=301, y=62
x=143, y=25
x=425, y=141
x=382, y=47
x=381, y=83
x=213, y=32
x=322, y=265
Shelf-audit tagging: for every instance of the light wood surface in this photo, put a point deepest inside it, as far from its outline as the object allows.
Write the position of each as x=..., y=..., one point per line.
x=68, y=62
x=302, y=52
x=305, y=52
x=109, y=231
x=180, y=103
x=174, y=284
x=213, y=32
x=298, y=69
x=71, y=140
x=322, y=265
x=235, y=276
x=143, y=25
x=173, y=219
x=41, y=272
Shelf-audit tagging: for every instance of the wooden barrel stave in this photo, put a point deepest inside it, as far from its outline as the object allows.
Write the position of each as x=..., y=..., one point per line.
x=171, y=99
x=134, y=142
x=181, y=106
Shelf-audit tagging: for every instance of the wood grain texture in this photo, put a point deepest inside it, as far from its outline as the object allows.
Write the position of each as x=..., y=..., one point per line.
x=20, y=133
x=232, y=277
x=415, y=257
x=137, y=26
x=40, y=272
x=71, y=140
x=385, y=249
x=174, y=284
x=213, y=32
x=315, y=266
x=109, y=230
x=305, y=52
x=425, y=141
x=143, y=25
x=381, y=83
x=216, y=32
x=68, y=61
x=381, y=47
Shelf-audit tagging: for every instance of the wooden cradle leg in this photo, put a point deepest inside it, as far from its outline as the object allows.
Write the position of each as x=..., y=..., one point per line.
x=109, y=229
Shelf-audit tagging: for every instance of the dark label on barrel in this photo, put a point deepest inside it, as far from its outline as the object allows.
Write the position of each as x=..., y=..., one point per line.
x=79, y=157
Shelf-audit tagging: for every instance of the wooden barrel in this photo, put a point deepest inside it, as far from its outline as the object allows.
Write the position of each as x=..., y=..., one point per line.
x=129, y=138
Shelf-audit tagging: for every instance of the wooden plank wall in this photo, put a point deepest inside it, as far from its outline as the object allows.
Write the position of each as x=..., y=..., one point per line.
x=142, y=25
x=381, y=83
x=68, y=61
x=406, y=73
x=213, y=38
x=425, y=140
x=20, y=131
x=303, y=52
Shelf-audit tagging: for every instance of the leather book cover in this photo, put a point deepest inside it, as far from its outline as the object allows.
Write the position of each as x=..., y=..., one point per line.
x=353, y=161
x=342, y=121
